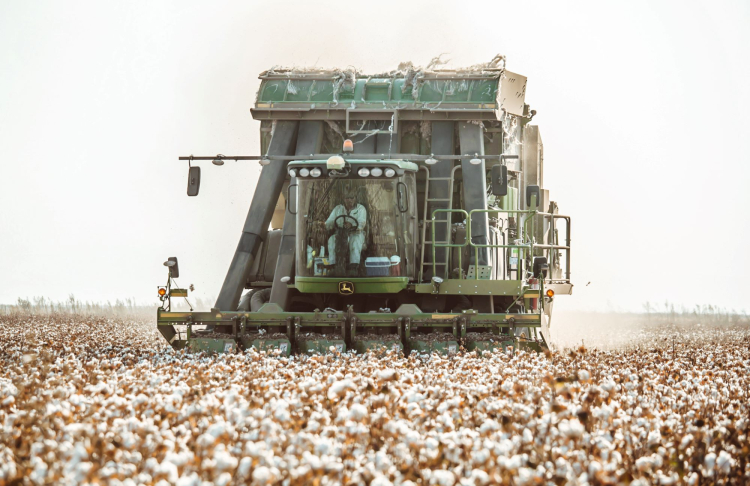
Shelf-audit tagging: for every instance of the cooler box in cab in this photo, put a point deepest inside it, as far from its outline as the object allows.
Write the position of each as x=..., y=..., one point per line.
x=378, y=266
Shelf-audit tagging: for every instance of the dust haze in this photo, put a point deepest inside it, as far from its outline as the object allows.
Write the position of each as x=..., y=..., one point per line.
x=97, y=101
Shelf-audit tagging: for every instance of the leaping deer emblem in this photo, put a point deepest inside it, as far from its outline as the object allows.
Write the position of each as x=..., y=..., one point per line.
x=346, y=288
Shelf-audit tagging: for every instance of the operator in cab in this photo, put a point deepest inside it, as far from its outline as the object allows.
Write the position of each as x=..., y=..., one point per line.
x=349, y=218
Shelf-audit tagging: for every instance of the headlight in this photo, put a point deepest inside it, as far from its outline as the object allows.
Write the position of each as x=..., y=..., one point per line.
x=376, y=172
x=292, y=173
x=363, y=172
x=315, y=172
x=304, y=172
x=390, y=172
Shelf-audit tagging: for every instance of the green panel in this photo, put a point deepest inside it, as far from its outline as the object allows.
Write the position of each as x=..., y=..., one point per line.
x=369, y=285
x=375, y=346
x=178, y=293
x=212, y=346
x=320, y=346
x=480, y=346
x=268, y=345
x=484, y=91
x=509, y=202
x=272, y=90
x=380, y=90
x=397, y=95
x=441, y=347
x=257, y=319
x=298, y=90
x=473, y=287
x=322, y=92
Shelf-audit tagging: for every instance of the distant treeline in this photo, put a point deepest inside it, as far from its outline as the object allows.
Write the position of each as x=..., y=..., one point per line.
x=706, y=313
x=128, y=306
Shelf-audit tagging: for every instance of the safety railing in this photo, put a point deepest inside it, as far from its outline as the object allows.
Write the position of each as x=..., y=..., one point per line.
x=526, y=235
x=552, y=249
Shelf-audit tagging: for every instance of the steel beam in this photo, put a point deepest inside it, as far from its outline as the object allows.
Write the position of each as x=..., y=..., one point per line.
x=259, y=216
x=474, y=184
x=475, y=197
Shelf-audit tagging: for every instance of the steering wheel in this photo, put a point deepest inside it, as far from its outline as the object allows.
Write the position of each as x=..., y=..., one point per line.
x=353, y=222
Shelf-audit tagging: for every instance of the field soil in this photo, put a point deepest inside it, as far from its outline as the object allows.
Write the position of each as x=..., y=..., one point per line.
x=104, y=400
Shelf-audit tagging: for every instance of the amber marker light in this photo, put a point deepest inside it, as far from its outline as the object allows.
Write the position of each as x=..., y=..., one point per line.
x=348, y=145
x=550, y=293
x=162, y=291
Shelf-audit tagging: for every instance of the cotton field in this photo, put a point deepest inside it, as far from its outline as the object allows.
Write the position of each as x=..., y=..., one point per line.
x=105, y=401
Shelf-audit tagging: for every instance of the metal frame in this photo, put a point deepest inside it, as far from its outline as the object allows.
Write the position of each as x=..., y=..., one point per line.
x=345, y=156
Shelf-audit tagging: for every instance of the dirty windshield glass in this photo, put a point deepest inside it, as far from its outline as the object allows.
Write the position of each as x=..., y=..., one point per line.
x=351, y=228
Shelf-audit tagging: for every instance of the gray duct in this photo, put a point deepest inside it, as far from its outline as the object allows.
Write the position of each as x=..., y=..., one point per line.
x=259, y=216
x=259, y=298
x=474, y=184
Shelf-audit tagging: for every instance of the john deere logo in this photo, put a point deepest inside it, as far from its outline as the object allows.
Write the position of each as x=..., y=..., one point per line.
x=346, y=288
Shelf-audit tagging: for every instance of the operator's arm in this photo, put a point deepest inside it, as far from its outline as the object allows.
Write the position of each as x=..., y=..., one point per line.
x=361, y=217
x=332, y=218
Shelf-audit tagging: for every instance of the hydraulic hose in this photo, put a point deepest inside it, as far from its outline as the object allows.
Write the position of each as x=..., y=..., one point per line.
x=259, y=298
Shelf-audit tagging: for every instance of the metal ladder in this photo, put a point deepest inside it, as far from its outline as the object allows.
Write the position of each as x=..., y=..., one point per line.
x=446, y=221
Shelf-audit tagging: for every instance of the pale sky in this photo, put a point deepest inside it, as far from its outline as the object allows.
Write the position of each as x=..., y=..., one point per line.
x=642, y=106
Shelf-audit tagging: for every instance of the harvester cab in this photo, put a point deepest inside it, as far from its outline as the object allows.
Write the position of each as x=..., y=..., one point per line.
x=401, y=211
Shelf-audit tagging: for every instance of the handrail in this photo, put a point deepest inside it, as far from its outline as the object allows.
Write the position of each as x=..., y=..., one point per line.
x=424, y=221
x=476, y=246
x=528, y=248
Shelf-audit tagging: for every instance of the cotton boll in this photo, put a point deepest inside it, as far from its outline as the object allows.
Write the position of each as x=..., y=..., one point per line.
x=442, y=478
x=244, y=467
x=479, y=477
x=339, y=388
x=709, y=462
x=358, y=412
x=724, y=462
x=381, y=481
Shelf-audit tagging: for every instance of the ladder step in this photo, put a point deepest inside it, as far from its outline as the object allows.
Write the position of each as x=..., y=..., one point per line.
x=440, y=178
x=438, y=221
x=438, y=200
x=441, y=242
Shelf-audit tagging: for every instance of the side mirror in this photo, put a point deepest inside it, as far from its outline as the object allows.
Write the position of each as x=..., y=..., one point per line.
x=194, y=181
x=403, y=197
x=532, y=192
x=540, y=267
x=174, y=269
x=499, y=174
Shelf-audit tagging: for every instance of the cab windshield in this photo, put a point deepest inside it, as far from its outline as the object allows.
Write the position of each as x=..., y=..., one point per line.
x=353, y=228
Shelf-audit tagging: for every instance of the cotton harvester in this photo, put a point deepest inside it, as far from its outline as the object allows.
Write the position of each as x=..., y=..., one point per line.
x=404, y=210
